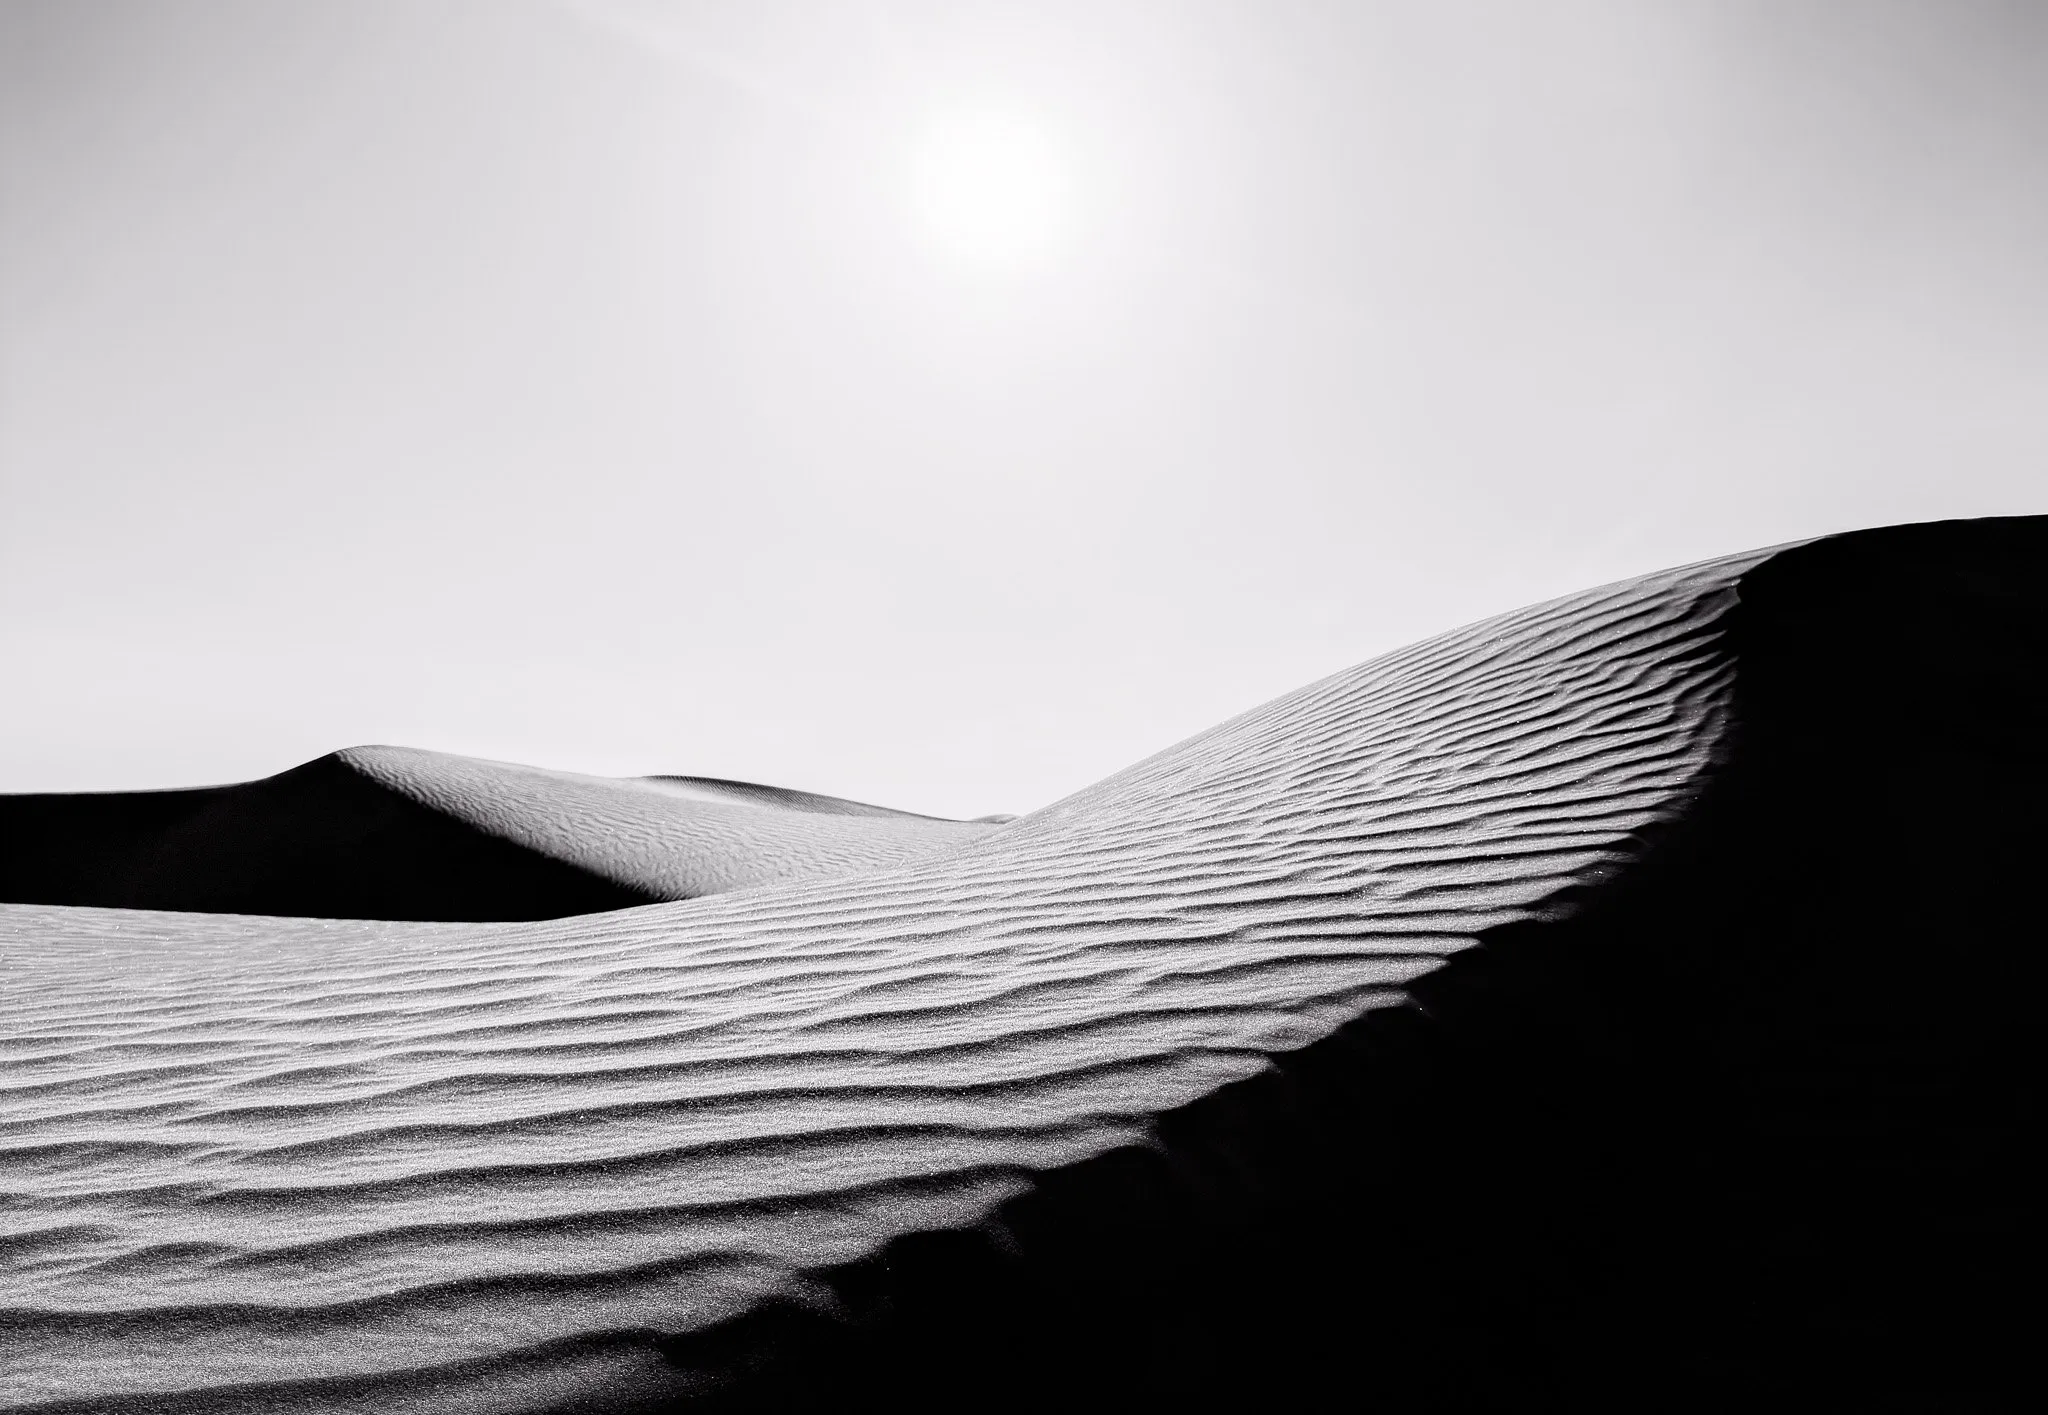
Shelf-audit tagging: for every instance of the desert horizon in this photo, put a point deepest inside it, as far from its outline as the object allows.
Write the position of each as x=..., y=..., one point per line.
x=773, y=706
x=610, y=384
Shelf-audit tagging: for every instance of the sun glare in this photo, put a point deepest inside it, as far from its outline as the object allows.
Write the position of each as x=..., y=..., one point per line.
x=992, y=190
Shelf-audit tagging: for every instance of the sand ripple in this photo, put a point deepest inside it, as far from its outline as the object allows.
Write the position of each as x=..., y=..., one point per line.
x=326, y=1160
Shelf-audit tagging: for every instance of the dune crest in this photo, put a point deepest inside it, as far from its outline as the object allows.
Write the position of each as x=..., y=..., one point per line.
x=400, y=833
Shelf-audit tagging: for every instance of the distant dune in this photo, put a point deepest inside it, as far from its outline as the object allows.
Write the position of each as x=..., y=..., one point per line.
x=396, y=833
x=1620, y=1004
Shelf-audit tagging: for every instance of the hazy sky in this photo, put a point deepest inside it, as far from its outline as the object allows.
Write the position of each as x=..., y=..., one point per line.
x=948, y=404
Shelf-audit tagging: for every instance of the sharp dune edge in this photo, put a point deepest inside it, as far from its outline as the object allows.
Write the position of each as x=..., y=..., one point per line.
x=1614, y=1004
x=397, y=833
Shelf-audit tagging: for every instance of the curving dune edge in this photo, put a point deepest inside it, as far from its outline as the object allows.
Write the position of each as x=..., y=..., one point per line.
x=399, y=833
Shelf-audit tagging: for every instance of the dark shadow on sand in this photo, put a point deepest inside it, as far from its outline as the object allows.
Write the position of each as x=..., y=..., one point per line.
x=321, y=841
x=1742, y=1129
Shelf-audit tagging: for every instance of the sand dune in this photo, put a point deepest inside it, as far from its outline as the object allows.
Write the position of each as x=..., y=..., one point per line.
x=1612, y=1005
x=397, y=833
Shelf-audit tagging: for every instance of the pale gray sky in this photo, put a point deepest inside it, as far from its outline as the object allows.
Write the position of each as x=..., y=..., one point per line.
x=948, y=404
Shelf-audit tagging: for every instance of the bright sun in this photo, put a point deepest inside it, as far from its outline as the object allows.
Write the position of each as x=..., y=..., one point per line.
x=992, y=190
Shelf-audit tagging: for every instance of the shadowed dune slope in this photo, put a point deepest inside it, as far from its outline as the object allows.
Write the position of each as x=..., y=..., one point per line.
x=397, y=833
x=1613, y=1005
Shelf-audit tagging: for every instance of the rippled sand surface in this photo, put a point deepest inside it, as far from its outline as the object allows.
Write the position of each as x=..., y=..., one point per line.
x=290, y=1163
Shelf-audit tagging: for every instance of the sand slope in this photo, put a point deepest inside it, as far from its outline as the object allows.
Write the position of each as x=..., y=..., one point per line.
x=1615, y=1004
x=397, y=833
